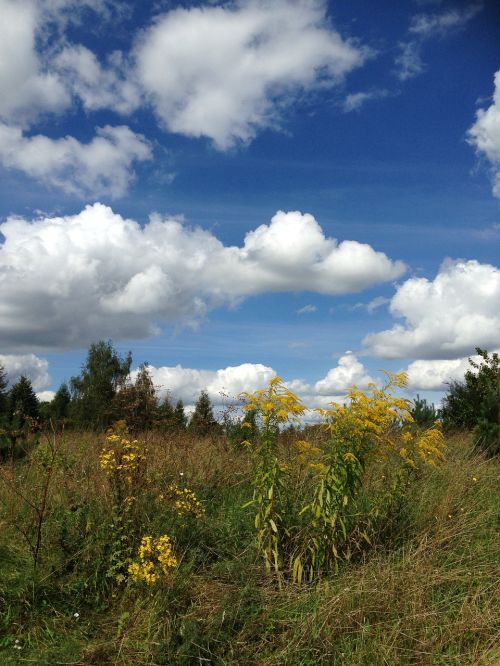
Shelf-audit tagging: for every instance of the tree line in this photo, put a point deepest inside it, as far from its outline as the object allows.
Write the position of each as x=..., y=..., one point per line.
x=104, y=392
x=101, y=394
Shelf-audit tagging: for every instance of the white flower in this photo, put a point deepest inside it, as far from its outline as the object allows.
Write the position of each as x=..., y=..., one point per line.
x=76, y=615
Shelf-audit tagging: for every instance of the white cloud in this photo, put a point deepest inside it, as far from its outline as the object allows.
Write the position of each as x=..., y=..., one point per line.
x=446, y=317
x=424, y=27
x=101, y=167
x=34, y=368
x=225, y=72
x=429, y=25
x=355, y=101
x=307, y=309
x=67, y=281
x=484, y=135
x=98, y=87
x=187, y=383
x=434, y=375
x=373, y=305
x=409, y=61
x=45, y=396
x=26, y=87
x=229, y=383
x=349, y=371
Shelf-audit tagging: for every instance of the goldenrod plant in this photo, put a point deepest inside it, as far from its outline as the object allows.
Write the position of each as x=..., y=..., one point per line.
x=308, y=524
x=275, y=406
x=155, y=560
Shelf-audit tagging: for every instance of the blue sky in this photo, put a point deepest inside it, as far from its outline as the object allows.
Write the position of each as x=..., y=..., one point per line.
x=377, y=128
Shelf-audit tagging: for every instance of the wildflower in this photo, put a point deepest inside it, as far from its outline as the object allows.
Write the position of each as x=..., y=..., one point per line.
x=156, y=560
x=474, y=479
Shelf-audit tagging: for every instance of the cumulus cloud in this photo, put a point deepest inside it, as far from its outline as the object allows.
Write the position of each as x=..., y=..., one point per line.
x=66, y=281
x=98, y=168
x=446, y=317
x=484, y=135
x=27, y=88
x=225, y=72
x=349, y=371
x=228, y=383
x=435, y=375
x=187, y=383
x=96, y=86
x=34, y=368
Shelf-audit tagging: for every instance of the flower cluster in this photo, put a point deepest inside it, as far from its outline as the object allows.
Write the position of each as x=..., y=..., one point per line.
x=276, y=404
x=384, y=420
x=309, y=456
x=156, y=560
x=123, y=459
x=184, y=501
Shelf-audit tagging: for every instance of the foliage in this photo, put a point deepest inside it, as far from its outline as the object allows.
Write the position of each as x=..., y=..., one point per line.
x=425, y=592
x=23, y=403
x=60, y=405
x=423, y=414
x=474, y=403
x=3, y=392
x=180, y=420
x=304, y=506
x=136, y=402
x=274, y=406
x=202, y=421
x=96, y=386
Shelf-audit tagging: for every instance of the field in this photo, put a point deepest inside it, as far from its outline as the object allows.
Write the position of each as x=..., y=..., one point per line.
x=425, y=591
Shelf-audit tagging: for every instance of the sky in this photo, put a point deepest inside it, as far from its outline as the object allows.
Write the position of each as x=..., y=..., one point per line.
x=235, y=190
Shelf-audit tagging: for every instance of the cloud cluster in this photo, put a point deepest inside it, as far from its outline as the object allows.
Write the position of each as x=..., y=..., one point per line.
x=435, y=375
x=98, y=168
x=26, y=87
x=484, y=135
x=222, y=72
x=225, y=385
x=444, y=318
x=34, y=368
x=225, y=72
x=66, y=281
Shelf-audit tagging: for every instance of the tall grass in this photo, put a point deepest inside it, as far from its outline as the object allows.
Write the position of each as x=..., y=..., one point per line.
x=425, y=592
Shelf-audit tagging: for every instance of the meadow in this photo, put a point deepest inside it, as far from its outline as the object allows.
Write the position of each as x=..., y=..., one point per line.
x=362, y=540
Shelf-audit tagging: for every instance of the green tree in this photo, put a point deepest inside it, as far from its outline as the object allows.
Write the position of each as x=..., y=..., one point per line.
x=424, y=414
x=23, y=403
x=94, y=389
x=474, y=403
x=180, y=419
x=166, y=415
x=3, y=392
x=203, y=421
x=136, y=403
x=60, y=405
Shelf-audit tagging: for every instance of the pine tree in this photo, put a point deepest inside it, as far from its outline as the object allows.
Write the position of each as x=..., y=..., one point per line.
x=180, y=420
x=59, y=407
x=423, y=414
x=202, y=421
x=166, y=415
x=23, y=403
x=94, y=390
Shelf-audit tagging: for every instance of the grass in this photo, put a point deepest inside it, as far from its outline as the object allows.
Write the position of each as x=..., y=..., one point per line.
x=427, y=592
